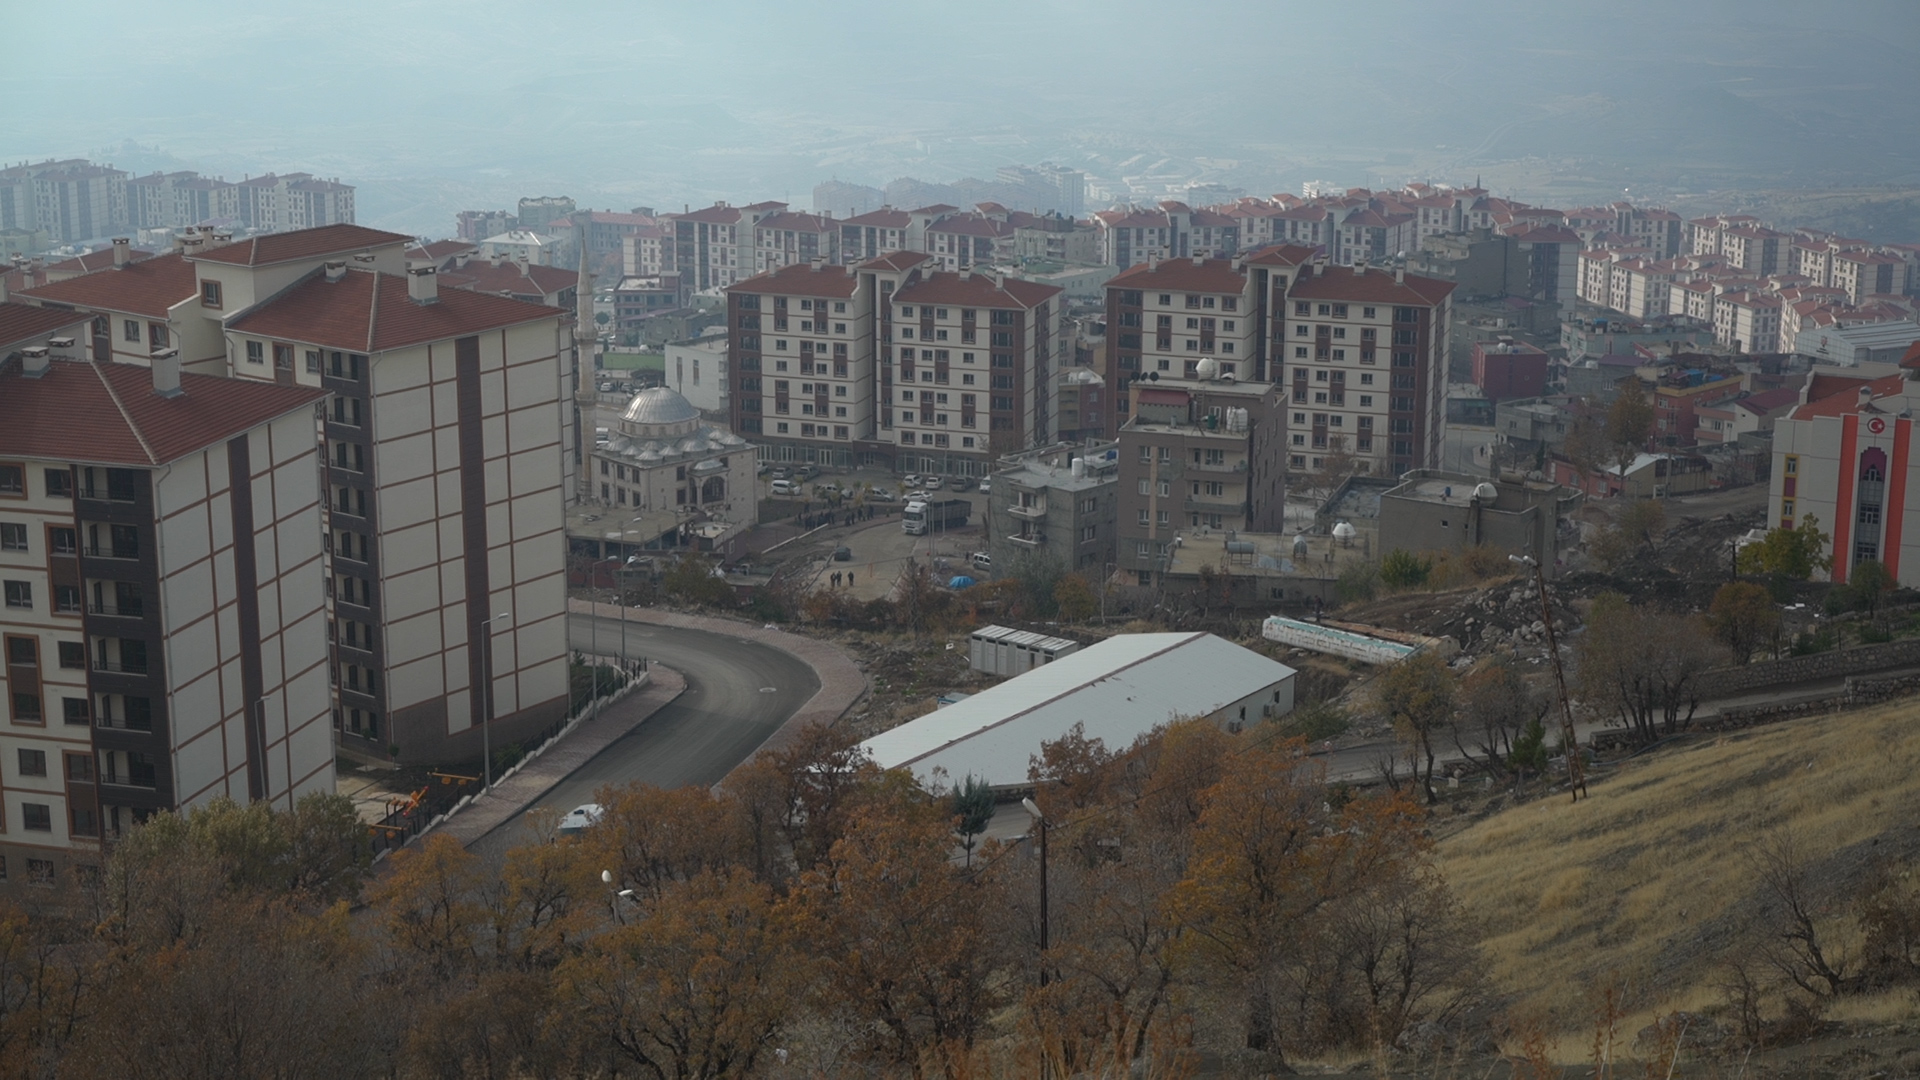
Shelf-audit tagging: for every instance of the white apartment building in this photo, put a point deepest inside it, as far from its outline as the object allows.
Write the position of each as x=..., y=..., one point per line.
x=714, y=248
x=970, y=364
x=1365, y=362
x=801, y=344
x=451, y=432
x=1185, y=310
x=697, y=370
x=1747, y=321
x=164, y=618
x=788, y=238
x=294, y=201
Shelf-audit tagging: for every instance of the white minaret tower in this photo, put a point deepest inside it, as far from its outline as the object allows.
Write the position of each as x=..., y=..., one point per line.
x=585, y=380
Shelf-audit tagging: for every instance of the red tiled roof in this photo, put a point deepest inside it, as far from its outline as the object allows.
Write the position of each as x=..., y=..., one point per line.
x=93, y=260
x=713, y=215
x=108, y=413
x=1839, y=395
x=1210, y=276
x=884, y=218
x=25, y=322
x=896, y=261
x=1346, y=283
x=801, y=279
x=509, y=278
x=1768, y=400
x=146, y=288
x=1280, y=255
x=300, y=244
x=976, y=290
x=441, y=249
x=368, y=311
x=798, y=222
x=1912, y=357
x=972, y=226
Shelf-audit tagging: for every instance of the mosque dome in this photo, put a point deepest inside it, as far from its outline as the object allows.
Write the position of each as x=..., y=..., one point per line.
x=659, y=413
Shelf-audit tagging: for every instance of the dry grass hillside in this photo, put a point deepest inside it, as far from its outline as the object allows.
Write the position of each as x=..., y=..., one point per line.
x=1649, y=883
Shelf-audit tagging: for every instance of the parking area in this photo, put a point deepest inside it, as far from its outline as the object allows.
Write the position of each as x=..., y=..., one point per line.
x=879, y=548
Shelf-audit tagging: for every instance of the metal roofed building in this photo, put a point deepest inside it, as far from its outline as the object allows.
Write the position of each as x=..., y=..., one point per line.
x=1118, y=690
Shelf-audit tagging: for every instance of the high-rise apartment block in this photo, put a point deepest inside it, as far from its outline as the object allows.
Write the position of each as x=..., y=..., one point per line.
x=451, y=446
x=893, y=363
x=165, y=617
x=75, y=201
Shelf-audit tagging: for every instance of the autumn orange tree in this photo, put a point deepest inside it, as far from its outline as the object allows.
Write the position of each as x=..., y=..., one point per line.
x=902, y=940
x=696, y=983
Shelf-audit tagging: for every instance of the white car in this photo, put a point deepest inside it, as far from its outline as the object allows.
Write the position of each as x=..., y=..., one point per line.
x=918, y=496
x=580, y=817
x=786, y=487
x=986, y=487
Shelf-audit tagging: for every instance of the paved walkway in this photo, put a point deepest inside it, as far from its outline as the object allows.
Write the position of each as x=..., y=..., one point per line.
x=511, y=796
x=841, y=682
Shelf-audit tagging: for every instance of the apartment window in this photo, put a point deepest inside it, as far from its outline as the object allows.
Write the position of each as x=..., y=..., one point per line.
x=210, y=294
x=1302, y=308
x=256, y=352
x=59, y=483
x=1792, y=465
x=33, y=763
x=313, y=361
x=13, y=537
x=38, y=818
x=19, y=594
x=72, y=654
x=157, y=335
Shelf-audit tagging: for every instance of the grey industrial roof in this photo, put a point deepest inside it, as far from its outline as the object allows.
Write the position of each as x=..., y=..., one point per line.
x=1118, y=690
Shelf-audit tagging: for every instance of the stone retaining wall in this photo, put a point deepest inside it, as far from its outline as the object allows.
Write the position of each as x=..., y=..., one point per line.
x=1733, y=681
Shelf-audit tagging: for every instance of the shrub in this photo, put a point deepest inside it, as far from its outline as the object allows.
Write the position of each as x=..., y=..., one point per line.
x=1403, y=569
x=1358, y=582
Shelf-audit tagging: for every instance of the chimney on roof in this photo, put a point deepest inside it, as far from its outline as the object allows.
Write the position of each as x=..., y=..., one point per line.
x=1153, y=263
x=1866, y=394
x=1199, y=260
x=363, y=257
x=336, y=269
x=166, y=373
x=965, y=274
x=423, y=285
x=220, y=239
x=1400, y=275
x=999, y=279
x=34, y=361
x=122, y=251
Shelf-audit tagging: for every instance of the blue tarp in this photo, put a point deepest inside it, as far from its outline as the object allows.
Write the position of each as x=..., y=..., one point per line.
x=960, y=582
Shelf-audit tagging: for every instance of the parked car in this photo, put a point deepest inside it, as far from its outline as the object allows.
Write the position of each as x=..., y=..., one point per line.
x=781, y=474
x=981, y=560
x=959, y=483
x=579, y=818
x=843, y=553
x=911, y=480
x=786, y=487
x=918, y=496
x=986, y=486
x=881, y=495
x=806, y=472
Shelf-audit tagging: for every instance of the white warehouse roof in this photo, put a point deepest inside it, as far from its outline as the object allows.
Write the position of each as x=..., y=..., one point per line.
x=1118, y=690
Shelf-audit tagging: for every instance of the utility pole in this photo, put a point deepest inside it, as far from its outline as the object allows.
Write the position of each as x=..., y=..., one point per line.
x=1569, y=739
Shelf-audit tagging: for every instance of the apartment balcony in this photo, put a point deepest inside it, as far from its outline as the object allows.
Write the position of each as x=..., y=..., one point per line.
x=1239, y=466
x=133, y=609
x=1031, y=513
x=115, y=667
x=105, y=551
x=1216, y=504
x=1030, y=541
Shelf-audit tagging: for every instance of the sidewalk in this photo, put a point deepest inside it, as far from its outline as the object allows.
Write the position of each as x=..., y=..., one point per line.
x=841, y=682
x=511, y=796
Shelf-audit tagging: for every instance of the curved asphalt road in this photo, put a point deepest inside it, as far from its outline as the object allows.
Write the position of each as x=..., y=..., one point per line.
x=721, y=718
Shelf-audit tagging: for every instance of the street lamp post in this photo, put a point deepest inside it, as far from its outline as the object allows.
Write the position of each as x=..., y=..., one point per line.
x=1576, y=771
x=1033, y=808
x=486, y=722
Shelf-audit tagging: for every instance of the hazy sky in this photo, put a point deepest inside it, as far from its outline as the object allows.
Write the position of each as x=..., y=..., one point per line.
x=431, y=107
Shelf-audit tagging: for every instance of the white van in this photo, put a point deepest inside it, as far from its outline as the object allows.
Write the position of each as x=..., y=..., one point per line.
x=786, y=487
